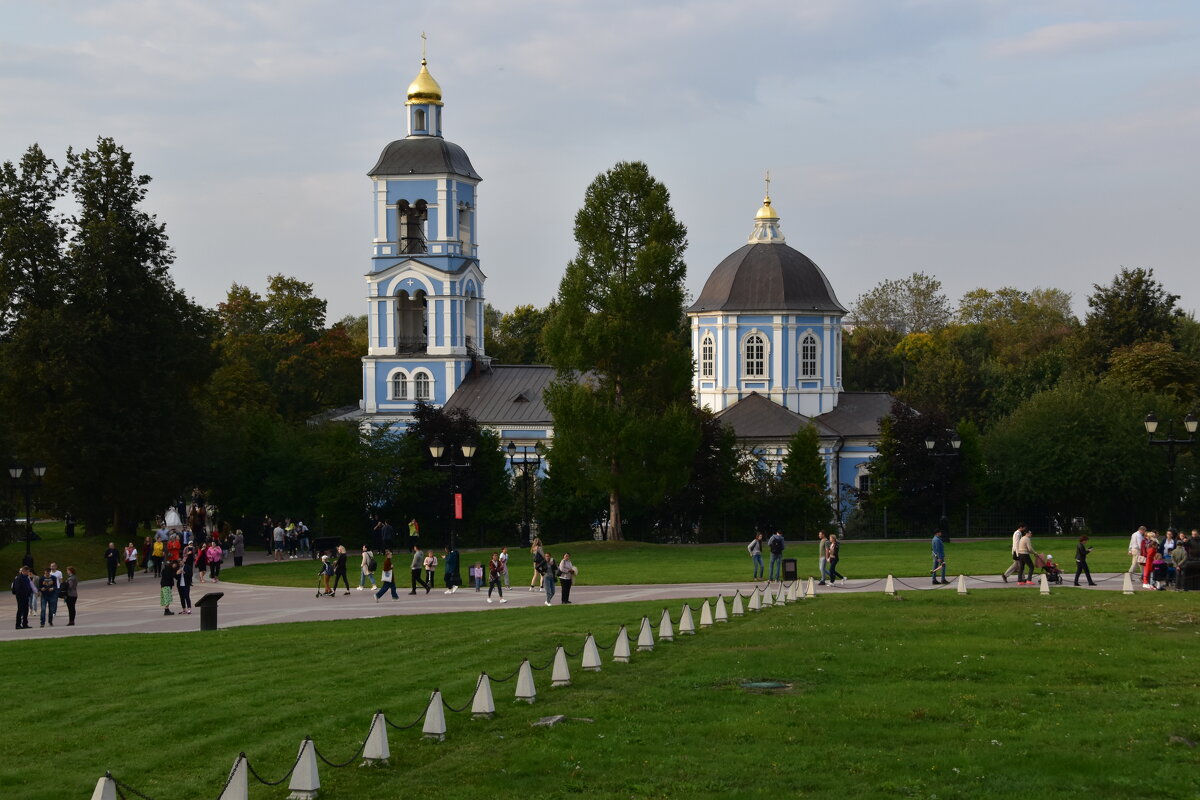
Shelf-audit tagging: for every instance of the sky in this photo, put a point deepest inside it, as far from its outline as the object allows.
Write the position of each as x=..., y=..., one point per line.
x=989, y=143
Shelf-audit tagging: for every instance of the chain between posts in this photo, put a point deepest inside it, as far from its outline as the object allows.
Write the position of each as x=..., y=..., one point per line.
x=415, y=722
x=468, y=704
x=288, y=774
x=122, y=785
x=357, y=753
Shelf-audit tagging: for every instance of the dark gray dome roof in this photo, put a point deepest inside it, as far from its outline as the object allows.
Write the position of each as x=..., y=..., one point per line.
x=423, y=155
x=767, y=277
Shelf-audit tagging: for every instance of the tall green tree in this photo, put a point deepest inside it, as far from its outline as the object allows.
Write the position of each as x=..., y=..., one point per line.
x=622, y=401
x=516, y=338
x=1134, y=308
x=803, y=488
x=915, y=304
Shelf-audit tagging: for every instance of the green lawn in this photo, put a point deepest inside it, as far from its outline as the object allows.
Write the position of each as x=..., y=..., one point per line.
x=603, y=563
x=995, y=695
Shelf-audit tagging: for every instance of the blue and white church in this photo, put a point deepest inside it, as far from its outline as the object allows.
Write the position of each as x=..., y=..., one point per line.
x=766, y=329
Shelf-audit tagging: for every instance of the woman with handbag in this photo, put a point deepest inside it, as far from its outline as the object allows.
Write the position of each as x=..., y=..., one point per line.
x=388, y=579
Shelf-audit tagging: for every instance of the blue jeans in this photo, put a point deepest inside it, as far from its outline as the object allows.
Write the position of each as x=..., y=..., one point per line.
x=363, y=577
x=384, y=590
x=758, y=565
x=776, y=566
x=549, y=583
x=823, y=566
x=939, y=564
x=52, y=602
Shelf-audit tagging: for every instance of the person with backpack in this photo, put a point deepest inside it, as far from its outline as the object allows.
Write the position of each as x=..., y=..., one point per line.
x=775, y=544
x=367, y=570
x=755, y=551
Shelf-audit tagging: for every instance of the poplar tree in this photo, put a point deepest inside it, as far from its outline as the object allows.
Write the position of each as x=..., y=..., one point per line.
x=621, y=400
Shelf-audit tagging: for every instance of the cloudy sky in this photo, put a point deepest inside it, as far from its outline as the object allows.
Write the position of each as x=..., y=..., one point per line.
x=986, y=142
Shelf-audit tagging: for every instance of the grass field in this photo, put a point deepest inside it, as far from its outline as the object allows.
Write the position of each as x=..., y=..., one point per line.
x=995, y=695
x=603, y=563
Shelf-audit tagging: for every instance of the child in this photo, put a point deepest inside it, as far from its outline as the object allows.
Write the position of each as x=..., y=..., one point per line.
x=326, y=573
x=431, y=563
x=477, y=575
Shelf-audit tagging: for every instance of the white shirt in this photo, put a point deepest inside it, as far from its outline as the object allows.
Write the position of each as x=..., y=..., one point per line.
x=1016, y=539
x=504, y=562
x=1135, y=542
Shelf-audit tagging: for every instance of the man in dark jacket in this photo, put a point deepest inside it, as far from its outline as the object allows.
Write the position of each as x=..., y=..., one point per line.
x=450, y=568
x=23, y=589
x=776, y=544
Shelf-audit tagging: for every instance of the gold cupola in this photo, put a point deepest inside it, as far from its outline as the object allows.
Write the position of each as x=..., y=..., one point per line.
x=766, y=212
x=424, y=89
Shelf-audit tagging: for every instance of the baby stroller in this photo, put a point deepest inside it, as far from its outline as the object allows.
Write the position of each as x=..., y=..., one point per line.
x=1052, y=571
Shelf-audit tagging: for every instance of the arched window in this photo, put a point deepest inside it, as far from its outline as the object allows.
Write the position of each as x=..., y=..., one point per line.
x=707, y=353
x=399, y=386
x=419, y=119
x=754, y=362
x=808, y=356
x=423, y=386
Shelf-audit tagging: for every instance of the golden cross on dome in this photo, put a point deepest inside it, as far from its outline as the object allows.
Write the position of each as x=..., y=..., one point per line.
x=768, y=182
x=424, y=39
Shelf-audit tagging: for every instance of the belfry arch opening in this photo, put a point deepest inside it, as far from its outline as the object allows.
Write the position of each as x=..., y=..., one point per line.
x=411, y=322
x=411, y=227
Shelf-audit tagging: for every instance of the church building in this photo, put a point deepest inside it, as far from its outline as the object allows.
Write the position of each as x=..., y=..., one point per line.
x=766, y=329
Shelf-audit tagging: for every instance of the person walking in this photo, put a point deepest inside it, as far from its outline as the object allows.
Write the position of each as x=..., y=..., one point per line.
x=835, y=554
x=430, y=564
x=504, y=564
x=166, y=583
x=387, y=578
x=550, y=572
x=71, y=594
x=450, y=570
x=822, y=556
x=22, y=589
x=339, y=570
x=776, y=544
x=1081, y=565
x=367, y=569
x=418, y=567
x=566, y=577
x=201, y=561
x=216, y=555
x=1137, y=549
x=1016, y=560
x=184, y=580
x=1149, y=554
x=1025, y=555
x=939, y=558
x=131, y=559
x=755, y=551
x=494, y=578
x=538, y=558
x=112, y=559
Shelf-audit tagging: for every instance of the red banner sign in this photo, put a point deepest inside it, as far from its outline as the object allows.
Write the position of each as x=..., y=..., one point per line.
x=458, y=505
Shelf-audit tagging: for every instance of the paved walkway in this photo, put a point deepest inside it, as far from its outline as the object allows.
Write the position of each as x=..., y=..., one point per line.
x=133, y=607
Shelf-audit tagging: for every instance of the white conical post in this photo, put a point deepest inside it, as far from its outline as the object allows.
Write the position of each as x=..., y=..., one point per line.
x=1045, y=587
x=305, y=782
x=561, y=675
x=766, y=599
x=525, y=689
x=435, y=718
x=482, y=705
x=794, y=591
x=890, y=586
x=106, y=788
x=962, y=584
x=800, y=593
x=706, y=618
x=666, y=629
x=591, y=655
x=755, y=603
x=376, y=750
x=812, y=587
x=1127, y=585
x=237, y=787
x=687, y=625
x=621, y=648
x=645, y=640
x=719, y=614
x=781, y=598
x=738, y=610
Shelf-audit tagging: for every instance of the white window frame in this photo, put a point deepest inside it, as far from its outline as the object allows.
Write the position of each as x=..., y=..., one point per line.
x=394, y=376
x=804, y=363
x=708, y=351
x=763, y=359
x=422, y=379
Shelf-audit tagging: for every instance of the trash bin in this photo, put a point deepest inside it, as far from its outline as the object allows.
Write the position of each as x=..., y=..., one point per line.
x=208, y=610
x=789, y=569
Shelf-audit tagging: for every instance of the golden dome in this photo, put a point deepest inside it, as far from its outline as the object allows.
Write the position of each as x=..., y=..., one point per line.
x=424, y=89
x=766, y=212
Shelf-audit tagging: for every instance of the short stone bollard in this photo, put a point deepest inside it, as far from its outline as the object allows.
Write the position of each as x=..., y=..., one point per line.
x=525, y=689
x=889, y=587
x=435, y=718
x=781, y=598
x=482, y=704
x=706, y=617
x=766, y=598
x=645, y=642
x=106, y=788
x=812, y=587
x=687, y=625
x=795, y=591
x=962, y=584
x=237, y=786
x=719, y=614
x=1045, y=587
x=376, y=750
x=305, y=782
x=591, y=655
x=738, y=610
x=621, y=648
x=754, y=604
x=1127, y=584
x=666, y=630
x=561, y=676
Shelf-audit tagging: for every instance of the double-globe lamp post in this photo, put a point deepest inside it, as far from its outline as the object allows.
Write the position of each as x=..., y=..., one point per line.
x=1189, y=424
x=931, y=448
x=436, y=449
x=32, y=479
x=525, y=463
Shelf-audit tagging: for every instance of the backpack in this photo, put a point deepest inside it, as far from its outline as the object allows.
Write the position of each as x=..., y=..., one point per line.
x=776, y=545
x=371, y=563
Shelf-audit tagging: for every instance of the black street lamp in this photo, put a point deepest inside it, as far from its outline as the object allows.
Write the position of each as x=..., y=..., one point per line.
x=32, y=479
x=525, y=463
x=1189, y=424
x=436, y=449
x=931, y=448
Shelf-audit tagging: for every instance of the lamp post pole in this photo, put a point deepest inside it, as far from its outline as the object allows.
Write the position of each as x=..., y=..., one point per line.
x=525, y=462
x=1189, y=424
x=931, y=444
x=32, y=478
x=436, y=449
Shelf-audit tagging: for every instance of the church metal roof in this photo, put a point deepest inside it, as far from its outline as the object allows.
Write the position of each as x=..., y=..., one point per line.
x=424, y=155
x=767, y=277
x=857, y=414
x=505, y=395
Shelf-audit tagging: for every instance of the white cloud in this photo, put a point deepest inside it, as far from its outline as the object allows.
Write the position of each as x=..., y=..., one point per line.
x=1089, y=37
